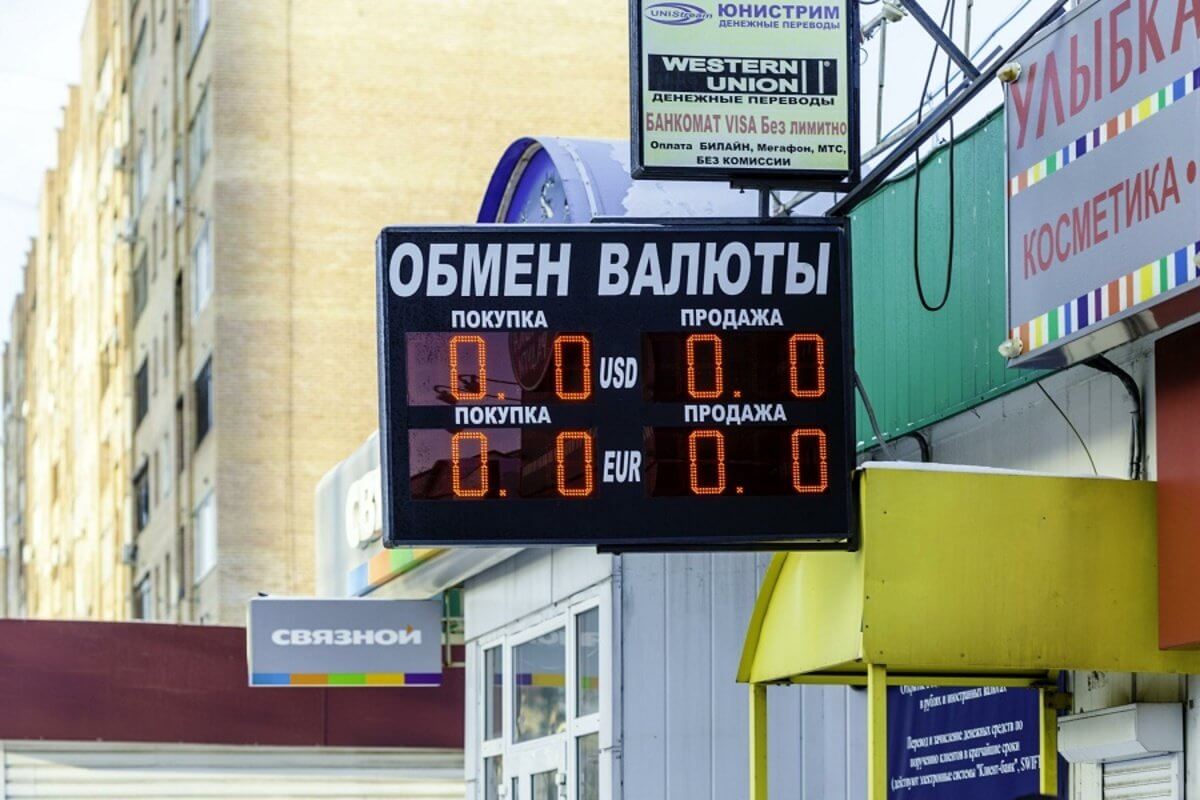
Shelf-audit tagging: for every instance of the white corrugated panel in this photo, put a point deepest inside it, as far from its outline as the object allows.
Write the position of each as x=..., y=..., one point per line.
x=95, y=769
x=1144, y=778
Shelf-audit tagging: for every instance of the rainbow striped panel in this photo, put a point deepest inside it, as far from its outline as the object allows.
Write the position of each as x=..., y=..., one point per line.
x=1139, y=112
x=346, y=679
x=1142, y=284
x=385, y=565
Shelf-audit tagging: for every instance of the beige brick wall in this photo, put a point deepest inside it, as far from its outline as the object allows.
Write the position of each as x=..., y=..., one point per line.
x=330, y=119
x=335, y=118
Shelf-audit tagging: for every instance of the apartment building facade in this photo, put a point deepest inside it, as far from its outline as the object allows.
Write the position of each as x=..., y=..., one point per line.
x=256, y=150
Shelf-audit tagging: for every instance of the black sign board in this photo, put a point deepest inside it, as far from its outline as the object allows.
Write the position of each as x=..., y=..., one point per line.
x=622, y=386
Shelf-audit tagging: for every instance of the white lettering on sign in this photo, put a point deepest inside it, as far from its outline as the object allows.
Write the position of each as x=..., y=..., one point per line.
x=529, y=269
x=501, y=415
x=622, y=466
x=506, y=320
x=342, y=637
x=735, y=413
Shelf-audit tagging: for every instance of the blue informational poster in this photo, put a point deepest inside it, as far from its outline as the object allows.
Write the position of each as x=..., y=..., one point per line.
x=953, y=743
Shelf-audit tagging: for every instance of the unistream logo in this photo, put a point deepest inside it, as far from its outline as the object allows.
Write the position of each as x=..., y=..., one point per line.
x=676, y=13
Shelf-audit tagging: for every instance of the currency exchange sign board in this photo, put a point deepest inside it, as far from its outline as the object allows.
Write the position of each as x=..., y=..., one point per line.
x=652, y=387
x=751, y=92
x=1102, y=183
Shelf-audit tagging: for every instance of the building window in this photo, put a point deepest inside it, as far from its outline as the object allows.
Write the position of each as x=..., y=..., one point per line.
x=201, y=10
x=202, y=270
x=204, y=401
x=493, y=776
x=180, y=449
x=164, y=475
x=587, y=770
x=141, y=598
x=178, y=311
x=545, y=680
x=199, y=138
x=137, y=62
x=141, y=177
x=205, y=555
x=539, y=687
x=166, y=346
x=169, y=581
x=493, y=693
x=141, y=495
x=587, y=662
x=141, y=394
x=141, y=289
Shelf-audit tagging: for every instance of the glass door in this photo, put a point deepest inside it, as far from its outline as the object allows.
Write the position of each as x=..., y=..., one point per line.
x=539, y=773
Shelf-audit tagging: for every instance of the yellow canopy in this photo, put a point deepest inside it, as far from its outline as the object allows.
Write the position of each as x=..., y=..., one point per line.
x=970, y=575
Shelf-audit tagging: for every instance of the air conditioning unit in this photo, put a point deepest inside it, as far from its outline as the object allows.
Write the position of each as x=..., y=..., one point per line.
x=129, y=554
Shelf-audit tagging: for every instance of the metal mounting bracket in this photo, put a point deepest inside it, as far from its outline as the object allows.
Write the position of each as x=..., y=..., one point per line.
x=939, y=36
x=959, y=97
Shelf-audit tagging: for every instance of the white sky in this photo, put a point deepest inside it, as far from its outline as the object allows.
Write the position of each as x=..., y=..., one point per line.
x=39, y=57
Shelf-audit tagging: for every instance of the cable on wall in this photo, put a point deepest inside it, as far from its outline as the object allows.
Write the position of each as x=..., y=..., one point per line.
x=1071, y=425
x=947, y=14
x=1137, y=445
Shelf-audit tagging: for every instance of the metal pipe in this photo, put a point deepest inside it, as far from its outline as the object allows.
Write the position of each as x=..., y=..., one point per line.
x=939, y=36
x=882, y=73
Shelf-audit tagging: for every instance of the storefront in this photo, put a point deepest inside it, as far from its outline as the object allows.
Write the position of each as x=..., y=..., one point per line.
x=587, y=675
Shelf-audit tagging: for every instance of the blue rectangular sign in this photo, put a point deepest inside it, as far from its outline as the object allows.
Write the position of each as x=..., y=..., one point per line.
x=951, y=743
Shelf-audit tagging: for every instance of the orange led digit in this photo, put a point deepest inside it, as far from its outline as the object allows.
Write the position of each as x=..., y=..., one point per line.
x=585, y=352
x=818, y=344
x=718, y=373
x=456, y=465
x=798, y=436
x=560, y=452
x=456, y=389
x=718, y=439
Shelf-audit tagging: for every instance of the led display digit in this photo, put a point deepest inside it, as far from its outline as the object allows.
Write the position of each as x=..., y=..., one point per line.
x=627, y=387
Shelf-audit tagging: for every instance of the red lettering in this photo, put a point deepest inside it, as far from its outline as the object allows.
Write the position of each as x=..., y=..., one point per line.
x=1030, y=266
x=1081, y=227
x=1064, y=221
x=1153, y=204
x=1021, y=105
x=1045, y=235
x=1098, y=54
x=1148, y=38
x=1170, y=184
x=1114, y=194
x=1098, y=215
x=1080, y=74
x=1116, y=46
x=1187, y=9
x=1133, y=201
x=1050, y=88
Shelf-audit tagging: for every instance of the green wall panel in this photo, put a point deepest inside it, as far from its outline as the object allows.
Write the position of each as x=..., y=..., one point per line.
x=921, y=367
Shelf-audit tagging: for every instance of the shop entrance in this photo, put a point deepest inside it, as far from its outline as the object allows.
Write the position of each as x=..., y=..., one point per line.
x=539, y=773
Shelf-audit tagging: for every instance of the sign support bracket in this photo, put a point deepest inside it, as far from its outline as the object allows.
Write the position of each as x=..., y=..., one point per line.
x=940, y=38
x=962, y=95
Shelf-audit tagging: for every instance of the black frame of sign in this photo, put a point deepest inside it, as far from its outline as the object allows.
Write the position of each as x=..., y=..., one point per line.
x=610, y=520
x=818, y=180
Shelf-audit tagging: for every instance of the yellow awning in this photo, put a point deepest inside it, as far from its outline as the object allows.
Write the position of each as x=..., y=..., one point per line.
x=970, y=575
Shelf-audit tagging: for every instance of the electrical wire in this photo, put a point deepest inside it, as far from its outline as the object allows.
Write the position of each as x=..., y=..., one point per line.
x=948, y=13
x=883, y=443
x=1074, y=430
